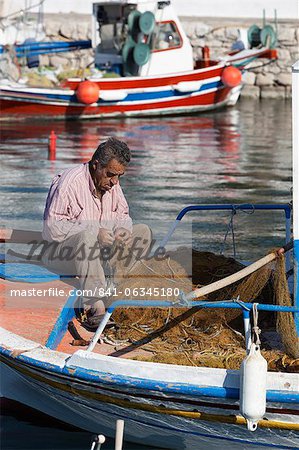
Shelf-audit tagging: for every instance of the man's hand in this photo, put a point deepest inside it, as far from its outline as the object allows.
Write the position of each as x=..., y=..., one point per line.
x=105, y=237
x=123, y=236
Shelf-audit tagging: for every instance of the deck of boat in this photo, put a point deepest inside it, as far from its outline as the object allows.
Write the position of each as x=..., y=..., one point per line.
x=33, y=316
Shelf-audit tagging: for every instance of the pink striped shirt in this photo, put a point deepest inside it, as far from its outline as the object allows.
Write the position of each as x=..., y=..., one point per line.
x=72, y=206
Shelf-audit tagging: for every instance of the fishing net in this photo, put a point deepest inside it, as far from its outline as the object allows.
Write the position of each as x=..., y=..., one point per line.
x=285, y=321
x=202, y=337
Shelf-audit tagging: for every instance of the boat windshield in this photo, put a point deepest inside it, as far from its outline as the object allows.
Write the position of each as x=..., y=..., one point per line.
x=165, y=36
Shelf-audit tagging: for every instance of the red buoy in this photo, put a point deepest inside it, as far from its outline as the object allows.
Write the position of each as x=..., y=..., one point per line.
x=231, y=76
x=52, y=146
x=87, y=92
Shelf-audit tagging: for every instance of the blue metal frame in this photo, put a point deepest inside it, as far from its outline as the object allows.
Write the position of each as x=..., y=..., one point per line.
x=287, y=208
x=61, y=324
x=183, y=302
x=39, y=48
x=235, y=207
x=66, y=314
x=228, y=304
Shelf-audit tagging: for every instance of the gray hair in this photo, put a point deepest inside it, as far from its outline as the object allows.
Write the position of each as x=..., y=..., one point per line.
x=112, y=149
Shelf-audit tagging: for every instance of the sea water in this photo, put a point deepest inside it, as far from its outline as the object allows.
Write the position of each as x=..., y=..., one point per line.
x=234, y=155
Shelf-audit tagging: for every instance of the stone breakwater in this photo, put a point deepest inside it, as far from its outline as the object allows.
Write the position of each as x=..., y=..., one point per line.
x=262, y=80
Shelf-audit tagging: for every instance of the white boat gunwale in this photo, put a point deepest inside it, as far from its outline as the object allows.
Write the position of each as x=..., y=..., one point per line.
x=211, y=382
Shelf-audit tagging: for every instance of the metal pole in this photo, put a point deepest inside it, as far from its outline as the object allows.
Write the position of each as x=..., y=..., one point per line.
x=99, y=331
x=169, y=233
x=288, y=238
x=119, y=435
x=295, y=107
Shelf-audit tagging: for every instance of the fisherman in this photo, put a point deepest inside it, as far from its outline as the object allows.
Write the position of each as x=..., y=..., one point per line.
x=89, y=229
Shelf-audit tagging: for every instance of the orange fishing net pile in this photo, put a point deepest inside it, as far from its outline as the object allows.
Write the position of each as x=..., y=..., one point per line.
x=210, y=337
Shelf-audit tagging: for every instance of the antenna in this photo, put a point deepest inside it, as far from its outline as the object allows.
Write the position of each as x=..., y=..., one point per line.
x=295, y=117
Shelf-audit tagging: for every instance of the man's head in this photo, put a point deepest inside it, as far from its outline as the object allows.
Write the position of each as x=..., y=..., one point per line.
x=108, y=163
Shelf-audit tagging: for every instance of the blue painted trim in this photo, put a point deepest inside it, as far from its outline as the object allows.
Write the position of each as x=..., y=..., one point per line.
x=200, y=304
x=246, y=314
x=35, y=48
x=140, y=383
x=156, y=95
x=296, y=280
x=246, y=206
x=60, y=327
x=25, y=272
x=235, y=207
x=169, y=93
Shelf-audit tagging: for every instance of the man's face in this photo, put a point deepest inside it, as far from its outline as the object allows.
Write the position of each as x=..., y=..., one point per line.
x=105, y=178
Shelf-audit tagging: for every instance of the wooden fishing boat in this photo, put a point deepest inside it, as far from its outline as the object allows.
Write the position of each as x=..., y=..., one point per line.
x=173, y=406
x=164, y=405
x=144, y=45
x=177, y=407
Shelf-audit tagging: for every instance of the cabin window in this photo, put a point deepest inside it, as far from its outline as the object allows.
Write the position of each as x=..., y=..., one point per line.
x=165, y=36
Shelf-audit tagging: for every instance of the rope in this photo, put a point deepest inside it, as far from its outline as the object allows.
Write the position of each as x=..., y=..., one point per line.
x=255, y=329
x=159, y=275
x=239, y=302
x=230, y=227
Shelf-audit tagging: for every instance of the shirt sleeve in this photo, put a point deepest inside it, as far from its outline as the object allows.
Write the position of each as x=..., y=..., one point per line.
x=61, y=216
x=122, y=219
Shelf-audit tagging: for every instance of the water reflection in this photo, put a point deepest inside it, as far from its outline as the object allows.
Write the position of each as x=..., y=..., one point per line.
x=237, y=155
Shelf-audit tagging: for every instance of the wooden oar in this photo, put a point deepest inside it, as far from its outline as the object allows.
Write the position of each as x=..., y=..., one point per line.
x=204, y=291
x=227, y=281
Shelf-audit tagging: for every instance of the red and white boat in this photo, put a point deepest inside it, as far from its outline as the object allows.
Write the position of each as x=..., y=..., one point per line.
x=144, y=44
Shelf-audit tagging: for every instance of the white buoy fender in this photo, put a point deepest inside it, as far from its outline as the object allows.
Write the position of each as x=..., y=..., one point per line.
x=253, y=380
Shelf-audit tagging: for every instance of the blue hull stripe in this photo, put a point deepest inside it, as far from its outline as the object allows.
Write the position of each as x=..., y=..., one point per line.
x=143, y=96
x=139, y=383
x=169, y=93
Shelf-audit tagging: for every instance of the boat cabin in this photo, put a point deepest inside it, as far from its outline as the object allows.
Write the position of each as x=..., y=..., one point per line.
x=139, y=38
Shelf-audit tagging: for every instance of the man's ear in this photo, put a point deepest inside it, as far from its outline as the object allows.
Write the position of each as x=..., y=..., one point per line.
x=94, y=164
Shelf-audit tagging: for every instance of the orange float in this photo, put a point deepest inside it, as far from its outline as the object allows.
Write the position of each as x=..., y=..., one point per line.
x=231, y=76
x=87, y=92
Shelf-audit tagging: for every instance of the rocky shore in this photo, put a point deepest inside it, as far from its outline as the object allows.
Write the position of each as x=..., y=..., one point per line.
x=262, y=80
